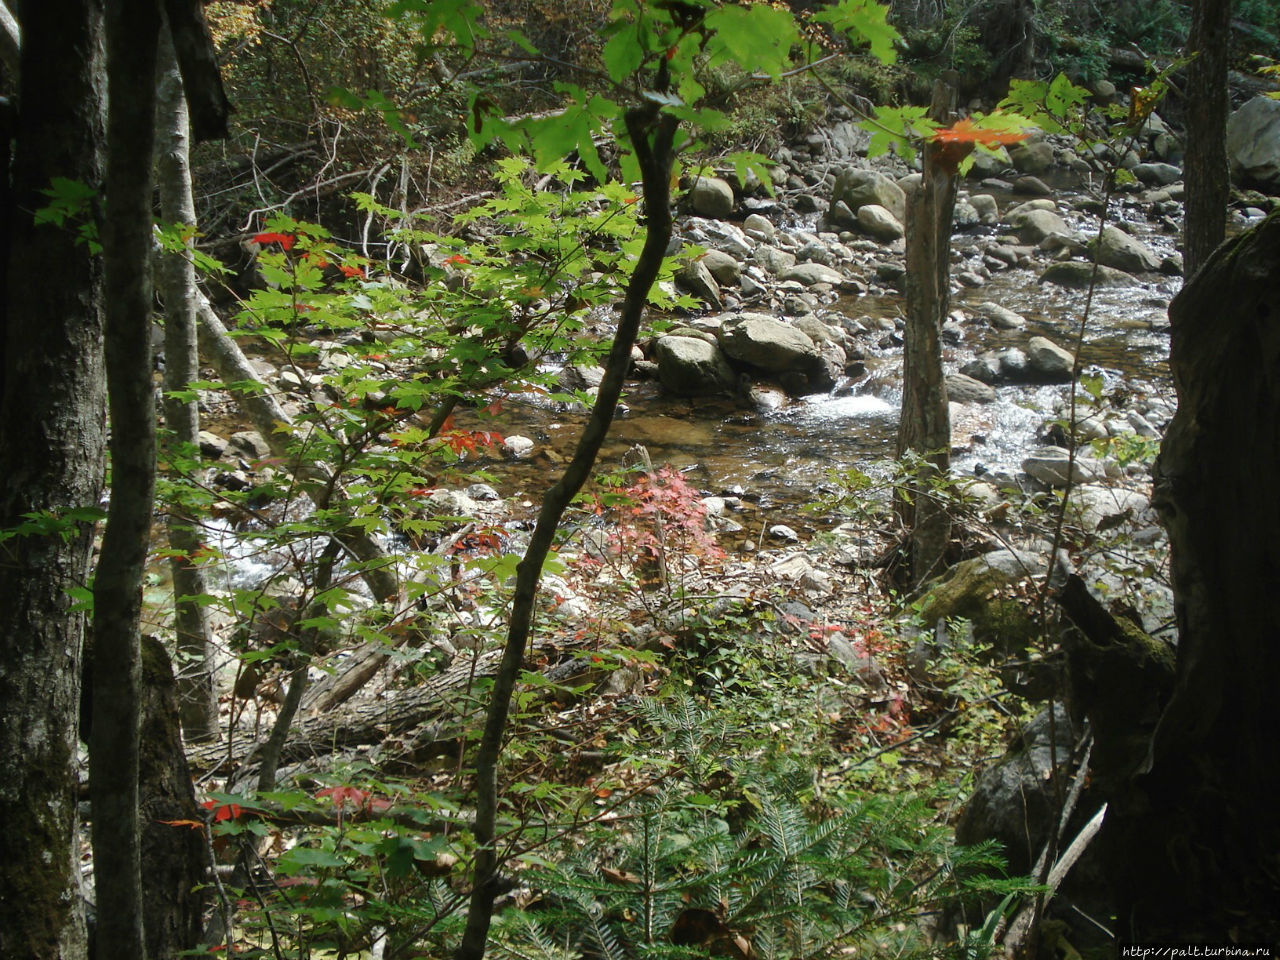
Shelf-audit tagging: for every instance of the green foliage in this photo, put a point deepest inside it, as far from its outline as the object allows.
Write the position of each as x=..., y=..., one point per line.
x=755, y=866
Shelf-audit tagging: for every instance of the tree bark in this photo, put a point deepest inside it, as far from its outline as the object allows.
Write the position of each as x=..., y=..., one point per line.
x=132, y=33
x=51, y=442
x=1197, y=842
x=1207, y=176
x=176, y=279
x=925, y=426
x=174, y=860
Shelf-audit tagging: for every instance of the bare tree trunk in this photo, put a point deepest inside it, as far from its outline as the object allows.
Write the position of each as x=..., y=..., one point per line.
x=52, y=405
x=132, y=31
x=925, y=427
x=652, y=135
x=1208, y=179
x=1196, y=842
x=176, y=279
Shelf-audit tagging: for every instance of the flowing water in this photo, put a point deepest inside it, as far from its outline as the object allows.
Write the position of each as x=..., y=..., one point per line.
x=782, y=455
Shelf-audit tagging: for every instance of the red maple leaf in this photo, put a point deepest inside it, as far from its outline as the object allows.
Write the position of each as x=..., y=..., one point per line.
x=457, y=259
x=351, y=272
x=223, y=811
x=286, y=240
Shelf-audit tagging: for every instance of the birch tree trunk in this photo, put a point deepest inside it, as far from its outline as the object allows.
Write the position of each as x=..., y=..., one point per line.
x=132, y=32
x=52, y=405
x=176, y=279
x=925, y=427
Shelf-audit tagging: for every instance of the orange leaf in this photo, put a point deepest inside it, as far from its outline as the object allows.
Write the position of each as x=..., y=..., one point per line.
x=193, y=824
x=966, y=131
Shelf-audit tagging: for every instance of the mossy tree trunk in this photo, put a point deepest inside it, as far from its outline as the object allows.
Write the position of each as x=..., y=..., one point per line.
x=51, y=444
x=1196, y=841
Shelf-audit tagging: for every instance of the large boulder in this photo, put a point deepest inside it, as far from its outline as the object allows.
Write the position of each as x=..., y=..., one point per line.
x=1253, y=144
x=973, y=590
x=766, y=343
x=1115, y=248
x=691, y=366
x=858, y=188
x=711, y=197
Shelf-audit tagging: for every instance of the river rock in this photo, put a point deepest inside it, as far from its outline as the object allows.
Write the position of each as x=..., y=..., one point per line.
x=879, y=223
x=1048, y=361
x=811, y=273
x=1253, y=144
x=1013, y=802
x=758, y=227
x=1076, y=274
x=1014, y=365
x=249, y=444
x=516, y=447
x=856, y=188
x=697, y=279
x=1002, y=318
x=1031, y=187
x=724, y=267
x=765, y=343
x=1032, y=157
x=690, y=366
x=984, y=369
x=711, y=197
x=212, y=446
x=1049, y=466
x=1105, y=508
x=1035, y=225
x=966, y=389
x=774, y=260
x=988, y=209
x=1117, y=249
x=453, y=503
x=1157, y=174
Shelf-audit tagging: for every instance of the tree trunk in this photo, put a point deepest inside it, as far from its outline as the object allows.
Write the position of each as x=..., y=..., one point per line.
x=1205, y=169
x=176, y=279
x=1197, y=843
x=174, y=858
x=51, y=443
x=925, y=426
x=132, y=32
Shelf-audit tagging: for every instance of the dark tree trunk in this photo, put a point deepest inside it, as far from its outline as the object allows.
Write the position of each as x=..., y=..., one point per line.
x=1197, y=842
x=51, y=442
x=176, y=278
x=174, y=858
x=132, y=32
x=1208, y=179
x=925, y=426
